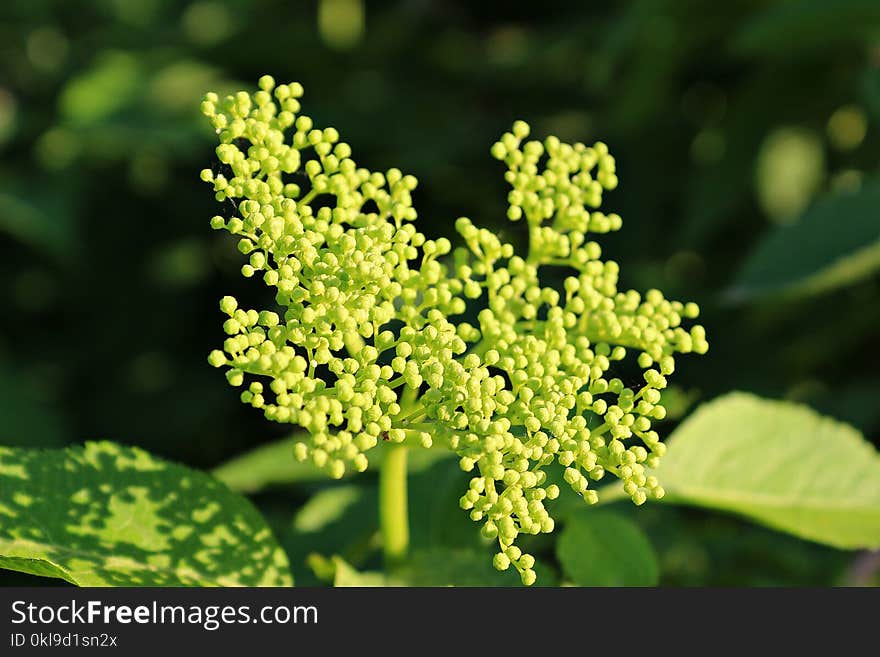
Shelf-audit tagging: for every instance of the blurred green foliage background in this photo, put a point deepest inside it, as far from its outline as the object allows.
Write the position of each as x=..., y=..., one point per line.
x=746, y=135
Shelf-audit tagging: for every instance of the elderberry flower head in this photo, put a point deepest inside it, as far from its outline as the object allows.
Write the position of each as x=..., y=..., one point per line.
x=363, y=344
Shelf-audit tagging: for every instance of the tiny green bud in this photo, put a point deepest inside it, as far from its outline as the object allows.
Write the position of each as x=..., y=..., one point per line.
x=365, y=344
x=228, y=305
x=501, y=561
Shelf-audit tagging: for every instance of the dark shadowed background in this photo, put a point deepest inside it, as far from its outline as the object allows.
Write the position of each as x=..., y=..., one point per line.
x=746, y=136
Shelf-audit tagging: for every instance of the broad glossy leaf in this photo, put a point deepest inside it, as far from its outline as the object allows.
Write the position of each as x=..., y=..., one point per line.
x=834, y=243
x=109, y=515
x=600, y=548
x=781, y=464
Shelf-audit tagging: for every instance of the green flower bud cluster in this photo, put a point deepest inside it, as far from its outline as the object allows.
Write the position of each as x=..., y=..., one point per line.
x=362, y=346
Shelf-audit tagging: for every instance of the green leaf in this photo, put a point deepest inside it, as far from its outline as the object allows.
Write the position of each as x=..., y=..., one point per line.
x=600, y=548
x=273, y=464
x=346, y=575
x=340, y=520
x=326, y=507
x=109, y=515
x=834, y=243
x=265, y=466
x=781, y=464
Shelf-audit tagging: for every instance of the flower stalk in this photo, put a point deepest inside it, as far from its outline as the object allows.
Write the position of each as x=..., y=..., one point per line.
x=393, y=505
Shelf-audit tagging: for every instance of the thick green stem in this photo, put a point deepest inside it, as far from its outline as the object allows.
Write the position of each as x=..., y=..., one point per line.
x=393, y=511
